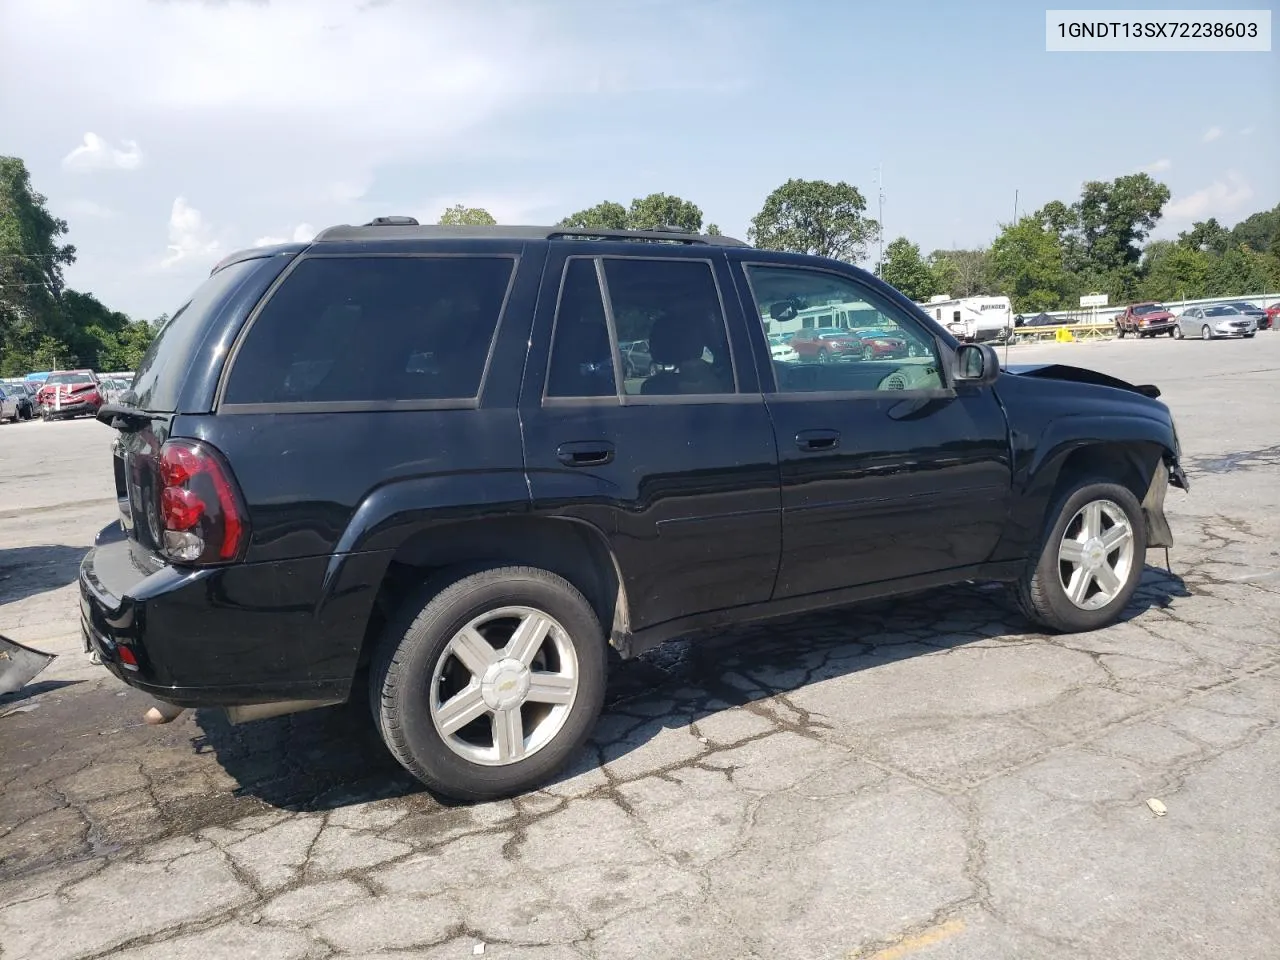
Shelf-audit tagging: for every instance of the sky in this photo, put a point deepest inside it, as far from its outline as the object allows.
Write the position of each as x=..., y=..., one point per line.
x=168, y=133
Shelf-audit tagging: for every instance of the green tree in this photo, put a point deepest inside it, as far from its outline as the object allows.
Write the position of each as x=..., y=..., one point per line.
x=1260, y=232
x=1115, y=218
x=460, y=215
x=905, y=269
x=816, y=217
x=1175, y=271
x=713, y=230
x=1026, y=263
x=603, y=216
x=1207, y=235
x=960, y=273
x=31, y=260
x=664, y=210
x=1242, y=271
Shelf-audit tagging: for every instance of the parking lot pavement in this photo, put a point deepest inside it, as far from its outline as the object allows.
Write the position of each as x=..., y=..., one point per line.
x=919, y=778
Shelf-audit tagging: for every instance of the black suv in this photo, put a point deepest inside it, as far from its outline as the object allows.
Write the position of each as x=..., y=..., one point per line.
x=414, y=457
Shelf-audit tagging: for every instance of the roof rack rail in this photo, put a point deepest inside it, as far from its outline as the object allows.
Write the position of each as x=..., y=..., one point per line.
x=392, y=222
x=406, y=228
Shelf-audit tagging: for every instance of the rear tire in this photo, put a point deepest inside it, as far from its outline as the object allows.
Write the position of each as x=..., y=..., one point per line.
x=429, y=674
x=1045, y=591
x=1206, y=333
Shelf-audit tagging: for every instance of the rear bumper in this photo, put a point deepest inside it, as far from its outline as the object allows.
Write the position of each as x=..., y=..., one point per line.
x=230, y=636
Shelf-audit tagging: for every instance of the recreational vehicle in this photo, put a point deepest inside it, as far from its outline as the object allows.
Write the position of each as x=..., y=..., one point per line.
x=973, y=319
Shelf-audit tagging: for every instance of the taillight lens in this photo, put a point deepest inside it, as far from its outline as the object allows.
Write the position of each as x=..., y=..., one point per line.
x=202, y=516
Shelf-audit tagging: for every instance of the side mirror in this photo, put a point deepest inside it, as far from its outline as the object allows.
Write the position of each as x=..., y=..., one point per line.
x=782, y=310
x=976, y=363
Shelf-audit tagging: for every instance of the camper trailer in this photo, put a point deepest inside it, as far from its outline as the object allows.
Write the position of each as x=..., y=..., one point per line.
x=973, y=319
x=854, y=315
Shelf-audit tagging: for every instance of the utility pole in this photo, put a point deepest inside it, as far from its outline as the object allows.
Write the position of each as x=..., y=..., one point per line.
x=1015, y=207
x=880, y=214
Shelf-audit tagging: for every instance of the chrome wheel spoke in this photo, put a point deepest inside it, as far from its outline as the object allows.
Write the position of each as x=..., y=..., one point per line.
x=551, y=688
x=473, y=651
x=508, y=734
x=1108, y=582
x=461, y=709
x=528, y=638
x=1116, y=537
x=1078, y=588
x=1092, y=521
x=1071, y=551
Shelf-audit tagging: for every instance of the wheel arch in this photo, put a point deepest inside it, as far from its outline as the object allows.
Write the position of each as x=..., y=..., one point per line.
x=571, y=548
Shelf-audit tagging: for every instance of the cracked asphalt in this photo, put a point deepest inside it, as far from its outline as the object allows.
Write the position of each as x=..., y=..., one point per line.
x=926, y=777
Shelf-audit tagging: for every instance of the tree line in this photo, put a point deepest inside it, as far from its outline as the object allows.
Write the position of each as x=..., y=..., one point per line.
x=1099, y=243
x=43, y=324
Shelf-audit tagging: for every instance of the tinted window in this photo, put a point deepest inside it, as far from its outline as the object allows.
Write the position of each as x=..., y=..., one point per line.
x=674, y=307
x=369, y=329
x=884, y=348
x=163, y=367
x=581, y=358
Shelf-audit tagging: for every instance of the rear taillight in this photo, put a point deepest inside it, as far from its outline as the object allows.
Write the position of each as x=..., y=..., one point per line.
x=202, y=516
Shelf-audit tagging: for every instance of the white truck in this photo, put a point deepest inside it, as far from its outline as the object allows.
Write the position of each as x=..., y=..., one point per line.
x=973, y=319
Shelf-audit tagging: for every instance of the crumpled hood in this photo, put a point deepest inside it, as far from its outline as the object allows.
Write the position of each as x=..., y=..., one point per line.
x=1061, y=371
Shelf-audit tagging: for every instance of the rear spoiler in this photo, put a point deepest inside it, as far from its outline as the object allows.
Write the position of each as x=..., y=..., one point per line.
x=126, y=418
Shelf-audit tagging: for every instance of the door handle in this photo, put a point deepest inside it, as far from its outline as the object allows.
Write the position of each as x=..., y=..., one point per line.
x=585, y=453
x=818, y=440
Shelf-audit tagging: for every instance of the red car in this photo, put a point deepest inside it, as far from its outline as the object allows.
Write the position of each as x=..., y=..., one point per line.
x=69, y=393
x=1148, y=319
x=832, y=345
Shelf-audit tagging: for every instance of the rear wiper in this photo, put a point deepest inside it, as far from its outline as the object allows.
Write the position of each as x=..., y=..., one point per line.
x=125, y=418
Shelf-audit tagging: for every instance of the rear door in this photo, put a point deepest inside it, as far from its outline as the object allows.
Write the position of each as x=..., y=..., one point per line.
x=674, y=462
x=888, y=470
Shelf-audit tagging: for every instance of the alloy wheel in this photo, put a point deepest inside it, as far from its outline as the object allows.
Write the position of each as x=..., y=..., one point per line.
x=504, y=686
x=1096, y=554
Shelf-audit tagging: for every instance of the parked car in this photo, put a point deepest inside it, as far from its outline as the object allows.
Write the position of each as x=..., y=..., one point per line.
x=636, y=360
x=25, y=393
x=9, y=405
x=1207, y=323
x=1273, y=317
x=824, y=346
x=1261, y=320
x=781, y=350
x=69, y=393
x=470, y=538
x=1147, y=319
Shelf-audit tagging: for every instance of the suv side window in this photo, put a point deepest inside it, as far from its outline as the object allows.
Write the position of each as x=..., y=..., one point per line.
x=581, y=355
x=673, y=306
x=670, y=337
x=373, y=330
x=883, y=347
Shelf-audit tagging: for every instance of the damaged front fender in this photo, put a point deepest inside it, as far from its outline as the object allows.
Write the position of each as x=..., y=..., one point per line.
x=1158, y=532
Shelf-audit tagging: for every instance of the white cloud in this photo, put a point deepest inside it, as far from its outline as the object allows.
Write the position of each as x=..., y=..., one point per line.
x=189, y=235
x=95, y=153
x=1246, y=132
x=81, y=207
x=1219, y=199
x=302, y=233
x=506, y=208
x=1159, y=166
x=1213, y=133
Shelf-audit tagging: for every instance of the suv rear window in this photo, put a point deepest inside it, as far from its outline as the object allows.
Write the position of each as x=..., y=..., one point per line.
x=171, y=354
x=373, y=329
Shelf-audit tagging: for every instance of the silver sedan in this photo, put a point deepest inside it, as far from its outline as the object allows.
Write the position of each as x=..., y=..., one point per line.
x=1207, y=323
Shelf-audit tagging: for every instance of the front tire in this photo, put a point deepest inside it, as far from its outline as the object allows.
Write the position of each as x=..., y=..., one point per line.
x=1090, y=559
x=486, y=687
x=1177, y=333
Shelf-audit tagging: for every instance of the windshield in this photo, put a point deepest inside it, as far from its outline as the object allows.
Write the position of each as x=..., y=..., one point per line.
x=1148, y=308
x=69, y=378
x=1241, y=305
x=1221, y=312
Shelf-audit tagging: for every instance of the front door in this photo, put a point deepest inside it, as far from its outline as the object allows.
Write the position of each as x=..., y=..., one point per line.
x=888, y=470
x=671, y=455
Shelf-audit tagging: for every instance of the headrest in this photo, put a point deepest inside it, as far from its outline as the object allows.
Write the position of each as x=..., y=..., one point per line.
x=675, y=339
